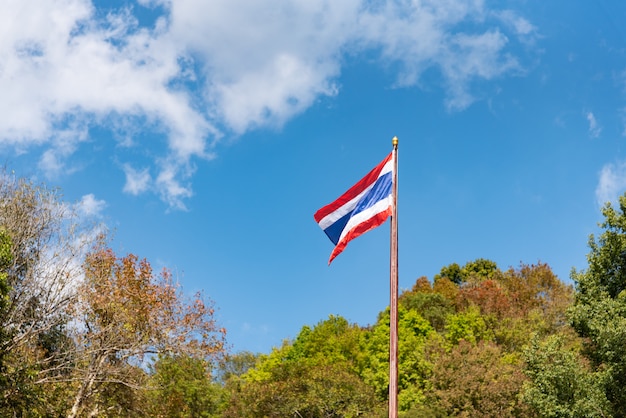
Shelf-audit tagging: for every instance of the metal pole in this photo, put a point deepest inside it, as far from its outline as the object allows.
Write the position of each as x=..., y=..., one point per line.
x=393, y=278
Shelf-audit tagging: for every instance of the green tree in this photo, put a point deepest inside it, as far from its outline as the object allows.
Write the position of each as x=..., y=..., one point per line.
x=480, y=268
x=314, y=376
x=469, y=325
x=477, y=380
x=413, y=369
x=181, y=387
x=17, y=375
x=333, y=340
x=234, y=365
x=560, y=383
x=308, y=390
x=5, y=299
x=451, y=272
x=433, y=307
x=599, y=311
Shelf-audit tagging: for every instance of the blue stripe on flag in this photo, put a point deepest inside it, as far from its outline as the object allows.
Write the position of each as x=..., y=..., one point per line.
x=380, y=191
x=335, y=229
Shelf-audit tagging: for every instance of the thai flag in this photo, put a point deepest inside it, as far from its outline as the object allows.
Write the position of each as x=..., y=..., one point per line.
x=365, y=206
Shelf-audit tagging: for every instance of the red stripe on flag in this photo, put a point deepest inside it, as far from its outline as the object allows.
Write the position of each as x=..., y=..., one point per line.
x=360, y=229
x=354, y=191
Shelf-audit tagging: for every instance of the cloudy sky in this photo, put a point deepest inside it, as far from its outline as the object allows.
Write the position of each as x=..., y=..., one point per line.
x=207, y=133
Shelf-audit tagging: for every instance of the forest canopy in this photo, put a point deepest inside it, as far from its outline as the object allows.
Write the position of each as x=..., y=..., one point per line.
x=87, y=332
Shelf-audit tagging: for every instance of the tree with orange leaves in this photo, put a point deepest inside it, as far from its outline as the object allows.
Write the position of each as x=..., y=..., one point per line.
x=125, y=317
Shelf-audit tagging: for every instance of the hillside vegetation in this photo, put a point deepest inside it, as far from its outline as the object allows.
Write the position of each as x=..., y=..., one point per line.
x=88, y=333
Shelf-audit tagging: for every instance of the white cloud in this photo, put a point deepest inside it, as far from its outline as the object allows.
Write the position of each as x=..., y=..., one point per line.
x=64, y=69
x=170, y=187
x=522, y=27
x=594, y=129
x=425, y=34
x=612, y=183
x=90, y=206
x=137, y=181
x=266, y=61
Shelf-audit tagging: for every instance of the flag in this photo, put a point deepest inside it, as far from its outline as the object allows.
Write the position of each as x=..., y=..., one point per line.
x=364, y=206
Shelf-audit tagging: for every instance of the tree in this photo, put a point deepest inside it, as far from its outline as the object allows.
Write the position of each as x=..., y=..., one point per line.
x=5, y=298
x=468, y=325
x=181, y=387
x=476, y=380
x=488, y=295
x=599, y=311
x=422, y=285
x=48, y=240
x=314, y=376
x=45, y=239
x=446, y=288
x=433, y=307
x=334, y=339
x=478, y=269
x=127, y=315
x=451, y=272
x=536, y=287
x=560, y=383
x=413, y=369
x=234, y=365
x=304, y=389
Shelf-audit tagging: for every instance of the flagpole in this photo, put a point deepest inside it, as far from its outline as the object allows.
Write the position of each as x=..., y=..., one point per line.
x=393, y=279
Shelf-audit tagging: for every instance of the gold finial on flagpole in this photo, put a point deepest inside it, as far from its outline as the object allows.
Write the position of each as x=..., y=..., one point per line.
x=394, y=141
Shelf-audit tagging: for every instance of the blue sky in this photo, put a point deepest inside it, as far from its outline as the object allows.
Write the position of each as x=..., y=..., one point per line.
x=206, y=134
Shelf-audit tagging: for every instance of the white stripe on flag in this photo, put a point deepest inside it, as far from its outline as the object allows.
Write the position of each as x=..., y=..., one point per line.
x=333, y=217
x=360, y=217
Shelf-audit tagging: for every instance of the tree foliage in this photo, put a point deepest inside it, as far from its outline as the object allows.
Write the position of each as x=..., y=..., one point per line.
x=315, y=376
x=477, y=380
x=87, y=333
x=560, y=382
x=127, y=313
x=182, y=387
x=480, y=268
x=5, y=299
x=451, y=272
x=42, y=242
x=312, y=390
x=413, y=332
x=599, y=310
x=47, y=242
x=433, y=307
